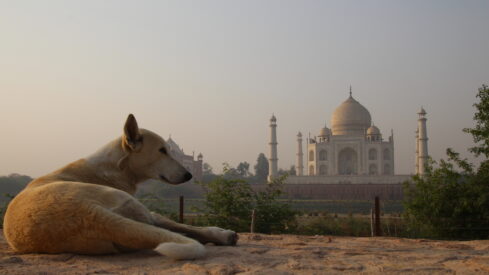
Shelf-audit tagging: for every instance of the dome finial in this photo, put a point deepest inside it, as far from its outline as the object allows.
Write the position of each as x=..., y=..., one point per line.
x=273, y=118
x=422, y=112
x=350, y=91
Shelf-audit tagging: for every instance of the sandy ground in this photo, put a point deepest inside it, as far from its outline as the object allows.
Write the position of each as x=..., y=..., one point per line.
x=274, y=254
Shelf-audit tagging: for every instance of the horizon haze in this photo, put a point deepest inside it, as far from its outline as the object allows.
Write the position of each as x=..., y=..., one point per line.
x=211, y=73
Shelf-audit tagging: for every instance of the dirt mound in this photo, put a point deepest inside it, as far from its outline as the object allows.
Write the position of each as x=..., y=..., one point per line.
x=273, y=254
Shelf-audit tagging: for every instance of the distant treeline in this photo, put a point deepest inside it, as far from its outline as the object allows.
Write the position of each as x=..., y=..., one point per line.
x=11, y=185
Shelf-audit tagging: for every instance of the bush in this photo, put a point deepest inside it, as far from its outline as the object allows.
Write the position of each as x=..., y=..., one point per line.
x=452, y=200
x=446, y=203
x=229, y=204
x=272, y=215
x=155, y=204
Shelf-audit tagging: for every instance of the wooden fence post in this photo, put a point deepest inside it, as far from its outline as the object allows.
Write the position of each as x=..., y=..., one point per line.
x=253, y=217
x=378, y=232
x=372, y=221
x=180, y=218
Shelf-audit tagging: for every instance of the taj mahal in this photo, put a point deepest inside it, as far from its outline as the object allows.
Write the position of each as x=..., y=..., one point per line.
x=352, y=151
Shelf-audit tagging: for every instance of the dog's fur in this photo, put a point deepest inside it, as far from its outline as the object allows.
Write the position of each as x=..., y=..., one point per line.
x=87, y=207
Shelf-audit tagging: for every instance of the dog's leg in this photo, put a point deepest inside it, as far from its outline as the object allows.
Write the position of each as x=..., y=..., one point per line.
x=204, y=235
x=133, y=234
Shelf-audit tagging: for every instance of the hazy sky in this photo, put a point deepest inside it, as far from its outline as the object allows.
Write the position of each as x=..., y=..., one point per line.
x=211, y=73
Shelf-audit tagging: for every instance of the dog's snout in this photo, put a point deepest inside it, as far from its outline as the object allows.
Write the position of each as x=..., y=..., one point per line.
x=187, y=176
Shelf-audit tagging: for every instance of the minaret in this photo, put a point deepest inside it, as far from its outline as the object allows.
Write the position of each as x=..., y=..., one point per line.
x=422, y=142
x=300, y=155
x=416, y=157
x=198, y=167
x=273, y=159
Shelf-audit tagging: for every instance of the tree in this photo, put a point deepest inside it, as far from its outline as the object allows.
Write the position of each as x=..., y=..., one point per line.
x=229, y=172
x=207, y=173
x=480, y=133
x=452, y=199
x=290, y=172
x=243, y=169
x=261, y=168
x=207, y=169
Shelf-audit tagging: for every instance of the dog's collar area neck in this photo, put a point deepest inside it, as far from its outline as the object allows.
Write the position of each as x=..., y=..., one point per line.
x=125, y=179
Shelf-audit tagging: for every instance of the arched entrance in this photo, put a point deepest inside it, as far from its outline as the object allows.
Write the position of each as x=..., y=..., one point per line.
x=347, y=162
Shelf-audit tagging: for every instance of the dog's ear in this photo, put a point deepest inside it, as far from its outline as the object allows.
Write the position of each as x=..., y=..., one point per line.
x=132, y=138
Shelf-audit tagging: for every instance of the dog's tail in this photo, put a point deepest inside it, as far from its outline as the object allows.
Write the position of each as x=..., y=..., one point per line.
x=137, y=235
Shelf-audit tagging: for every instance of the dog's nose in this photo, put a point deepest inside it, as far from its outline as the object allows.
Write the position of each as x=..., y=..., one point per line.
x=187, y=176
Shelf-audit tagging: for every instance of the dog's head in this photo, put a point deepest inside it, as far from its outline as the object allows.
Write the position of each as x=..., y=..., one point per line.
x=147, y=155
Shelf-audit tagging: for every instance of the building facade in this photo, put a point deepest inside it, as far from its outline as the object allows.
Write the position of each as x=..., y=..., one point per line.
x=194, y=166
x=353, y=145
x=352, y=151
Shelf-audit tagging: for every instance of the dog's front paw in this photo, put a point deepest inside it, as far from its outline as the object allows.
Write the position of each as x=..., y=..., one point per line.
x=223, y=236
x=232, y=238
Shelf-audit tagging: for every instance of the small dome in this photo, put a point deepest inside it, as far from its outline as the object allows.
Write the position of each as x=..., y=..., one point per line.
x=324, y=132
x=373, y=130
x=299, y=135
x=273, y=119
x=350, y=118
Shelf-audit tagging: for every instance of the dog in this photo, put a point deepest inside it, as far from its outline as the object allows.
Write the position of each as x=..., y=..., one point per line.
x=87, y=207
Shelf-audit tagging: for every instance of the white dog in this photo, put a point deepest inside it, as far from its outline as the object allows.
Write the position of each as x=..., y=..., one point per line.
x=87, y=207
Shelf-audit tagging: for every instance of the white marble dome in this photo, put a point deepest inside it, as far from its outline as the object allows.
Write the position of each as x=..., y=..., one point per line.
x=324, y=132
x=373, y=130
x=350, y=118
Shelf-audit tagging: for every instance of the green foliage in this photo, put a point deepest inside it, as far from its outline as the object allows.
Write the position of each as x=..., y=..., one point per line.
x=243, y=169
x=273, y=215
x=452, y=199
x=230, y=172
x=207, y=173
x=207, y=169
x=155, y=204
x=261, y=169
x=162, y=190
x=3, y=207
x=12, y=184
x=446, y=203
x=229, y=204
x=290, y=172
x=480, y=133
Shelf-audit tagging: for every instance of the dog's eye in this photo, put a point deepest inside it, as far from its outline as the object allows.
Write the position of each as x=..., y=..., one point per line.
x=163, y=150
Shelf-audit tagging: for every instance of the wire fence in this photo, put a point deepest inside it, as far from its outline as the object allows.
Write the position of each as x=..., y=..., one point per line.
x=303, y=207
x=326, y=217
